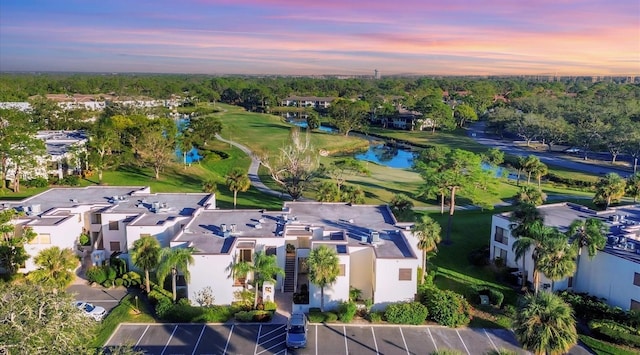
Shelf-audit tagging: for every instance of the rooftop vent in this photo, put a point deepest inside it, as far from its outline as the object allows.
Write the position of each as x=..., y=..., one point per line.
x=223, y=227
x=233, y=228
x=261, y=220
x=364, y=239
x=74, y=200
x=350, y=220
x=375, y=237
x=257, y=225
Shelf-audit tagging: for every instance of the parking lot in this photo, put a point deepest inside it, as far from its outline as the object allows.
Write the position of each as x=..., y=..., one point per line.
x=253, y=339
x=99, y=296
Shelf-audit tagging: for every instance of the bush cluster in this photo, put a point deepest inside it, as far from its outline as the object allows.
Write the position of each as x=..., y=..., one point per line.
x=446, y=307
x=616, y=333
x=375, y=317
x=495, y=297
x=406, y=313
x=69, y=180
x=590, y=307
x=347, y=311
x=569, y=182
x=108, y=276
x=253, y=316
x=36, y=182
x=315, y=316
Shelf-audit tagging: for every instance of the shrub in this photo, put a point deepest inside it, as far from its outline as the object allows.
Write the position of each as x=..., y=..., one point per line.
x=375, y=317
x=447, y=307
x=615, y=332
x=214, y=314
x=406, y=313
x=36, y=182
x=70, y=180
x=270, y=306
x=316, y=317
x=96, y=274
x=495, y=297
x=590, y=307
x=134, y=278
x=330, y=317
x=290, y=248
x=118, y=282
x=110, y=272
x=261, y=316
x=347, y=311
x=244, y=316
x=163, y=307
x=108, y=283
x=354, y=294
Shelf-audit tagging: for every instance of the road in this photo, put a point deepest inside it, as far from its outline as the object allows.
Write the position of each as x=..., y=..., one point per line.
x=476, y=132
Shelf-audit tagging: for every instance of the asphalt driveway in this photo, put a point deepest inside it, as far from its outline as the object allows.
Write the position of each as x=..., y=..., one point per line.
x=99, y=296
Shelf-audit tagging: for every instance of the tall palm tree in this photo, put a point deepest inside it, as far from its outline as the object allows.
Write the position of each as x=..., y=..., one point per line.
x=428, y=233
x=237, y=180
x=534, y=241
x=146, y=255
x=539, y=171
x=556, y=258
x=172, y=261
x=531, y=163
x=526, y=221
x=323, y=269
x=590, y=233
x=55, y=268
x=609, y=189
x=545, y=324
x=265, y=269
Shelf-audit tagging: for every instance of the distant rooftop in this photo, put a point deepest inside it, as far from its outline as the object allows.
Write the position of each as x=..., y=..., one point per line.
x=59, y=142
x=623, y=223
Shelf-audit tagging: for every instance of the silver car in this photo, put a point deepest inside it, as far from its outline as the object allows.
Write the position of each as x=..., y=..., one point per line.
x=89, y=310
x=297, y=331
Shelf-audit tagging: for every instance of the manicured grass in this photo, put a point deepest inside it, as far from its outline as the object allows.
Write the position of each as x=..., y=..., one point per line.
x=123, y=312
x=454, y=139
x=603, y=348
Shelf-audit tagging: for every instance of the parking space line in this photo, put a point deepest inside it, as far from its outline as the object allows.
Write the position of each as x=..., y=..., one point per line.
x=142, y=336
x=199, y=337
x=228, y=338
x=344, y=332
x=433, y=340
x=112, y=334
x=257, y=340
x=491, y=340
x=316, y=339
x=273, y=331
x=168, y=341
x=374, y=340
x=271, y=347
x=404, y=341
x=463, y=344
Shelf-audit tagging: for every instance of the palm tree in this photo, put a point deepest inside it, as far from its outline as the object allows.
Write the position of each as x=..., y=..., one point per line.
x=172, y=260
x=545, y=324
x=55, y=268
x=323, y=269
x=609, y=189
x=428, y=233
x=531, y=195
x=237, y=180
x=590, y=233
x=539, y=171
x=534, y=241
x=530, y=165
x=556, y=258
x=209, y=186
x=526, y=221
x=263, y=267
x=146, y=255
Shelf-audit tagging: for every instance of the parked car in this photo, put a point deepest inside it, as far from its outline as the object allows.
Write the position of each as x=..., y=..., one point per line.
x=89, y=310
x=572, y=150
x=297, y=331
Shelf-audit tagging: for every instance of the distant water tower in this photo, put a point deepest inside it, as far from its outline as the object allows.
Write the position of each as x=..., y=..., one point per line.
x=376, y=74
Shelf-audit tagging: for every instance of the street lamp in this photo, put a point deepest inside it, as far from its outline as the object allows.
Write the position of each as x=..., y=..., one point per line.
x=137, y=309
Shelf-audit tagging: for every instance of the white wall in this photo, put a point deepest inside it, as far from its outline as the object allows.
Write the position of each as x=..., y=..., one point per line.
x=610, y=277
x=389, y=288
x=335, y=293
x=210, y=270
x=63, y=235
x=114, y=235
x=362, y=270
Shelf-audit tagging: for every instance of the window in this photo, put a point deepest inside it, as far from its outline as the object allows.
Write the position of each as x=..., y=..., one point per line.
x=113, y=226
x=636, y=279
x=246, y=255
x=342, y=270
x=42, y=238
x=570, y=282
x=270, y=250
x=96, y=219
x=501, y=236
x=114, y=246
x=404, y=275
x=635, y=305
x=499, y=253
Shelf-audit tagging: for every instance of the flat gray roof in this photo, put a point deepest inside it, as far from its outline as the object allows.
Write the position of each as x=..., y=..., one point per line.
x=357, y=221
x=621, y=221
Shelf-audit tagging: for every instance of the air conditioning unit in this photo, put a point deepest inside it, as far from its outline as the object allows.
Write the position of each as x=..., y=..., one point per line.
x=364, y=239
x=375, y=237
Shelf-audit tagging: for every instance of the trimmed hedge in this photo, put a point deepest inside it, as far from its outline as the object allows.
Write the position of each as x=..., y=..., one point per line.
x=590, y=308
x=406, y=313
x=347, y=311
x=616, y=333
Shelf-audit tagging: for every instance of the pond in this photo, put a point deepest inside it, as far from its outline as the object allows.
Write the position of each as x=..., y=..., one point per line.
x=386, y=155
x=300, y=119
x=193, y=155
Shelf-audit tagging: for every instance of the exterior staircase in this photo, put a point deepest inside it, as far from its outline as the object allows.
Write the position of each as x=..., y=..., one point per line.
x=289, y=273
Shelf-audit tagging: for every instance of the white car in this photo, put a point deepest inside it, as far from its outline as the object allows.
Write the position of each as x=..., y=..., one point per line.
x=89, y=310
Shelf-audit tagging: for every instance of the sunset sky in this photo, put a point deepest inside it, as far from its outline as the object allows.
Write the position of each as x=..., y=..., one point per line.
x=444, y=37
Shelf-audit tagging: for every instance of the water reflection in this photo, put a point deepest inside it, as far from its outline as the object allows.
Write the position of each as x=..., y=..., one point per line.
x=300, y=119
x=388, y=155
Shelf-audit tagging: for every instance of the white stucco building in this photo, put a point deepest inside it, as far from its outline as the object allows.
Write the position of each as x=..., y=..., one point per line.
x=376, y=254
x=613, y=274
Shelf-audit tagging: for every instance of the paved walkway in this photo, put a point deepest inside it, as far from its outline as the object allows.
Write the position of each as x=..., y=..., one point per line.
x=253, y=170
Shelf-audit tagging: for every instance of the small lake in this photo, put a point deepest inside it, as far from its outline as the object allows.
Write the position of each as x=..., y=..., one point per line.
x=389, y=156
x=193, y=155
x=303, y=124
